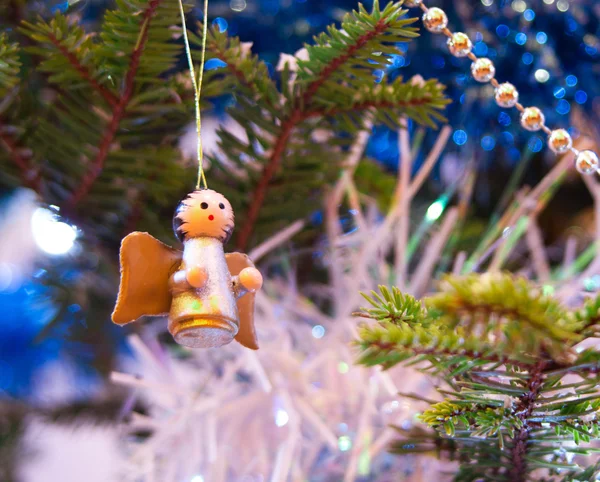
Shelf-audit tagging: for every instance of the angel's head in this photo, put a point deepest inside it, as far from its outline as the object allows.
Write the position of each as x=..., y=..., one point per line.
x=204, y=213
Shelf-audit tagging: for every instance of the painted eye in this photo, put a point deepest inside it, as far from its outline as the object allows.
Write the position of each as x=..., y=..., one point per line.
x=222, y=206
x=204, y=206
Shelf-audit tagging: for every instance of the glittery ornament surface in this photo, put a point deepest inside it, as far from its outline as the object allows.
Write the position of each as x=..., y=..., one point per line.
x=507, y=95
x=587, y=162
x=483, y=70
x=560, y=141
x=532, y=119
x=460, y=44
x=435, y=20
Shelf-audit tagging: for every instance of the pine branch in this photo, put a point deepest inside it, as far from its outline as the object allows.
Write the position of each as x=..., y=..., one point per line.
x=118, y=111
x=519, y=450
x=111, y=98
x=333, y=89
x=29, y=177
x=349, y=53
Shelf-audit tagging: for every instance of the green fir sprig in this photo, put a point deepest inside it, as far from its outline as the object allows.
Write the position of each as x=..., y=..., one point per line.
x=522, y=398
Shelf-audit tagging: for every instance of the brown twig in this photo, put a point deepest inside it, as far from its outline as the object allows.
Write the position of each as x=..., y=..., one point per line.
x=118, y=110
x=111, y=98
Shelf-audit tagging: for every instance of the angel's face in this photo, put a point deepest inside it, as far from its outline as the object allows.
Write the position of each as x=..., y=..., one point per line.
x=204, y=213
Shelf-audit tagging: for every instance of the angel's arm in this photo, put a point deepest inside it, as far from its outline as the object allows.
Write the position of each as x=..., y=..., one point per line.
x=248, y=281
x=186, y=279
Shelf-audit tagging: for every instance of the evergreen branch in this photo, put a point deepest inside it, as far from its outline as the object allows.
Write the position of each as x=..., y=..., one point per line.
x=119, y=109
x=500, y=305
x=29, y=177
x=519, y=450
x=9, y=65
x=111, y=98
x=369, y=105
x=350, y=52
x=258, y=197
x=247, y=69
x=280, y=144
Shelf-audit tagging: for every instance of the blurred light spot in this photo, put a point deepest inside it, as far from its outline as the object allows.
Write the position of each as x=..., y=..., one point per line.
x=521, y=38
x=237, y=5
x=197, y=478
x=281, y=418
x=487, y=3
x=559, y=92
x=478, y=36
x=541, y=37
x=563, y=107
x=460, y=137
x=507, y=138
x=581, y=97
x=504, y=119
x=221, y=23
x=548, y=290
x=502, y=30
x=213, y=64
x=51, y=235
x=572, y=25
x=480, y=49
x=344, y=443
x=527, y=58
x=519, y=6
x=535, y=144
x=488, y=143
x=571, y=80
x=548, y=2
x=398, y=61
x=562, y=5
x=462, y=99
x=542, y=75
x=529, y=15
x=378, y=74
x=435, y=210
x=343, y=367
x=318, y=331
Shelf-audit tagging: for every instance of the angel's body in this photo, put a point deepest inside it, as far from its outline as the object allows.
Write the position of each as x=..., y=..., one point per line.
x=206, y=287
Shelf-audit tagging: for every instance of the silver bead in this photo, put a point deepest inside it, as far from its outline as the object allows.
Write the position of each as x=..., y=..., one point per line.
x=483, y=70
x=460, y=44
x=435, y=20
x=560, y=141
x=507, y=95
x=587, y=162
x=532, y=119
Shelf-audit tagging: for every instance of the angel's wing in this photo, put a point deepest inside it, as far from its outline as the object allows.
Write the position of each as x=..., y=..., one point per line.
x=146, y=265
x=236, y=262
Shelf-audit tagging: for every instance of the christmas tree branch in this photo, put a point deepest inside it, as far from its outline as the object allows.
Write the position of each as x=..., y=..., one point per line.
x=217, y=50
x=119, y=109
x=29, y=178
x=380, y=27
x=518, y=470
x=111, y=98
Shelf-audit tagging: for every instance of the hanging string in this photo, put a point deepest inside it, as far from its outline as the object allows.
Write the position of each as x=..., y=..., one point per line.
x=197, y=85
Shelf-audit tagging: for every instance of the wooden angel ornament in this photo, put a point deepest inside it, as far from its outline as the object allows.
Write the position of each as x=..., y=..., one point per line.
x=207, y=294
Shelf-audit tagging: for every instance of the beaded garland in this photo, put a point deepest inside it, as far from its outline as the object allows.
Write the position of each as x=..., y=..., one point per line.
x=532, y=119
